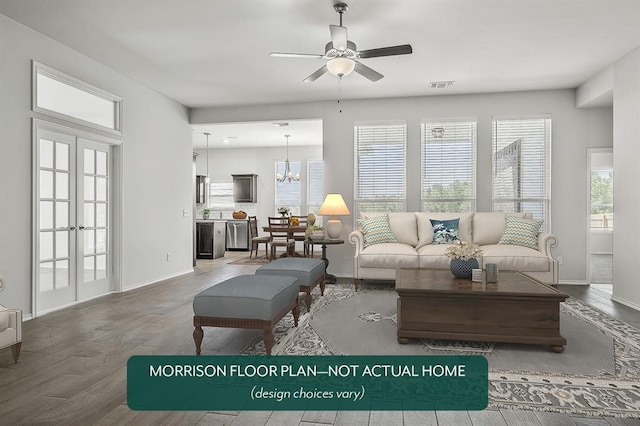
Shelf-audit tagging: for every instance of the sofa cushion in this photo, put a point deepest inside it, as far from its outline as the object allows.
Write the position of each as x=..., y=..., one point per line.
x=388, y=255
x=488, y=226
x=425, y=229
x=519, y=231
x=515, y=258
x=403, y=225
x=445, y=231
x=376, y=230
x=433, y=256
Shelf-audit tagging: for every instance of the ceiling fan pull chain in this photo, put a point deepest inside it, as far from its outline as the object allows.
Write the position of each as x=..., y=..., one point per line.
x=339, y=93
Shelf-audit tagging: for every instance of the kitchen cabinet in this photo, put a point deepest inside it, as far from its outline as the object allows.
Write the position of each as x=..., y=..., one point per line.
x=210, y=237
x=245, y=188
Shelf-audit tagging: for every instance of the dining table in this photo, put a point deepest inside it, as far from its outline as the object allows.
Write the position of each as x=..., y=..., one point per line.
x=291, y=230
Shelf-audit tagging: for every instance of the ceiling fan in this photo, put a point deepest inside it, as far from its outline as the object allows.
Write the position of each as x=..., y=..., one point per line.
x=343, y=55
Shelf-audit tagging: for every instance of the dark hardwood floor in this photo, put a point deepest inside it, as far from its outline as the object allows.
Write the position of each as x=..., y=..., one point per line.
x=72, y=369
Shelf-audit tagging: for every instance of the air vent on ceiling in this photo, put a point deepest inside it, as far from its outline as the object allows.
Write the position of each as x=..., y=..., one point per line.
x=441, y=84
x=282, y=124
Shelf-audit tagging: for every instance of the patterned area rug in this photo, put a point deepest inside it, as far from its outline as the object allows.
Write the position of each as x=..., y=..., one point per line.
x=260, y=260
x=599, y=393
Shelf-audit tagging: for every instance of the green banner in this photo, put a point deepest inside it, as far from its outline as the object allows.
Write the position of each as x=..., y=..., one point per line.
x=307, y=383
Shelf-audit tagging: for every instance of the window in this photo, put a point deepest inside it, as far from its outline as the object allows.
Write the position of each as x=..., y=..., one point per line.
x=449, y=166
x=288, y=193
x=601, y=199
x=380, y=167
x=521, y=166
x=315, y=182
x=63, y=96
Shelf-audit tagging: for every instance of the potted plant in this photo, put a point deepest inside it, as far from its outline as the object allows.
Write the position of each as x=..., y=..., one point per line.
x=205, y=213
x=464, y=258
x=317, y=233
x=284, y=211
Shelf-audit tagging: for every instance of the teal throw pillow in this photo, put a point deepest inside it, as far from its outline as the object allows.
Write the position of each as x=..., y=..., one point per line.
x=521, y=232
x=376, y=230
x=445, y=231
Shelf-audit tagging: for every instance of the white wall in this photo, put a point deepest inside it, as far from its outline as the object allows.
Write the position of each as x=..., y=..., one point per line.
x=157, y=165
x=626, y=196
x=225, y=162
x=574, y=130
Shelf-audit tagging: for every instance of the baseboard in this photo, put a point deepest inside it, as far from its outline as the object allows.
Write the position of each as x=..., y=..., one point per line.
x=154, y=281
x=27, y=317
x=573, y=282
x=626, y=303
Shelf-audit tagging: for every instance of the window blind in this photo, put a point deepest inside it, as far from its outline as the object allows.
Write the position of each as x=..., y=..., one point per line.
x=449, y=166
x=380, y=167
x=522, y=165
x=315, y=191
x=288, y=193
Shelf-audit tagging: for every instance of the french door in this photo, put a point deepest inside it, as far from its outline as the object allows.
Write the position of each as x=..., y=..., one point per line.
x=72, y=254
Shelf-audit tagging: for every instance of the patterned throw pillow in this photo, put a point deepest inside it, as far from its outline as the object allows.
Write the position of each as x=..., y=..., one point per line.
x=445, y=231
x=377, y=230
x=521, y=232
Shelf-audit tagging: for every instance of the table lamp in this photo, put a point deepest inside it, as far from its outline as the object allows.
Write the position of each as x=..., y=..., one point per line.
x=333, y=206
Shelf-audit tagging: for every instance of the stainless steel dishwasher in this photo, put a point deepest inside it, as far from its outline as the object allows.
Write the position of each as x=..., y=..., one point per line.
x=237, y=234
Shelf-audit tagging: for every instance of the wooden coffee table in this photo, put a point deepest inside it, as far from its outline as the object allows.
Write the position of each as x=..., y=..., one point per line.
x=517, y=309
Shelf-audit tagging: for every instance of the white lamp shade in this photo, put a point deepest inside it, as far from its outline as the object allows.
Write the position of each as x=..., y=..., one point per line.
x=341, y=66
x=333, y=206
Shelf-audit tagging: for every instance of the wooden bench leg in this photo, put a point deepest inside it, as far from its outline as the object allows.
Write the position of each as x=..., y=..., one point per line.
x=322, y=286
x=355, y=283
x=197, y=337
x=296, y=313
x=268, y=340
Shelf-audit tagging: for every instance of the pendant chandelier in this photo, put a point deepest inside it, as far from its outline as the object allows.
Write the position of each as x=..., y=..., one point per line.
x=288, y=175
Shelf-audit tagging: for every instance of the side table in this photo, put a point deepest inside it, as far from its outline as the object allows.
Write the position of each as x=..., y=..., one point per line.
x=330, y=278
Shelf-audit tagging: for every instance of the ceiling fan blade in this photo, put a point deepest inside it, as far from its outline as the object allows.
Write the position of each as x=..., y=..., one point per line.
x=403, y=49
x=295, y=55
x=338, y=37
x=367, y=72
x=316, y=75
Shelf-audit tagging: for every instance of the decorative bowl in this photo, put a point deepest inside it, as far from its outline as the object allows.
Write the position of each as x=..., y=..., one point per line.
x=317, y=235
x=239, y=215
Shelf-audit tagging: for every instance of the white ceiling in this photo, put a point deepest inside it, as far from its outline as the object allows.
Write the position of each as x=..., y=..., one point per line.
x=213, y=53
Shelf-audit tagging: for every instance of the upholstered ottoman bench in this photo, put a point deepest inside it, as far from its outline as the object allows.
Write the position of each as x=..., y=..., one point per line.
x=309, y=272
x=246, y=301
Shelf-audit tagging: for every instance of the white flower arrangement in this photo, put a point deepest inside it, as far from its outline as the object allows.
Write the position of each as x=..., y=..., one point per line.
x=463, y=251
x=284, y=210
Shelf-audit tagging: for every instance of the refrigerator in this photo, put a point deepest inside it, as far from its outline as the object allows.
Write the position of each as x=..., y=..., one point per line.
x=238, y=234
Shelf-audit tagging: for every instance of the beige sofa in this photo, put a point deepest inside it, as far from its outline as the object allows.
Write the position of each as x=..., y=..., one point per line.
x=414, y=248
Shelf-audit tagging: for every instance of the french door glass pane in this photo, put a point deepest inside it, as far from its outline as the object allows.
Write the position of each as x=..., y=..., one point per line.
x=62, y=244
x=62, y=273
x=46, y=184
x=62, y=156
x=89, y=241
x=101, y=163
x=101, y=189
x=46, y=153
x=89, y=209
x=62, y=185
x=46, y=214
x=46, y=245
x=101, y=240
x=101, y=215
x=89, y=265
x=89, y=189
x=89, y=162
x=62, y=214
x=46, y=276
x=101, y=266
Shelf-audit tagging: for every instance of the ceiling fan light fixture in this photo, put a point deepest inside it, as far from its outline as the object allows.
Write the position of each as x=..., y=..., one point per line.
x=341, y=66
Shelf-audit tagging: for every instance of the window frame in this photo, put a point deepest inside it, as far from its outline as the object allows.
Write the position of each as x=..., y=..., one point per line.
x=444, y=123
x=358, y=200
x=545, y=199
x=38, y=68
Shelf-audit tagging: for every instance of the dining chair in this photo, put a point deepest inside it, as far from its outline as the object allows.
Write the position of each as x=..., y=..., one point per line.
x=256, y=240
x=300, y=236
x=279, y=231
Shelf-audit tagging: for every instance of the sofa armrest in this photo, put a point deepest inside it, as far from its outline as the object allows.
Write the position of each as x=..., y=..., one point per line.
x=356, y=238
x=546, y=242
